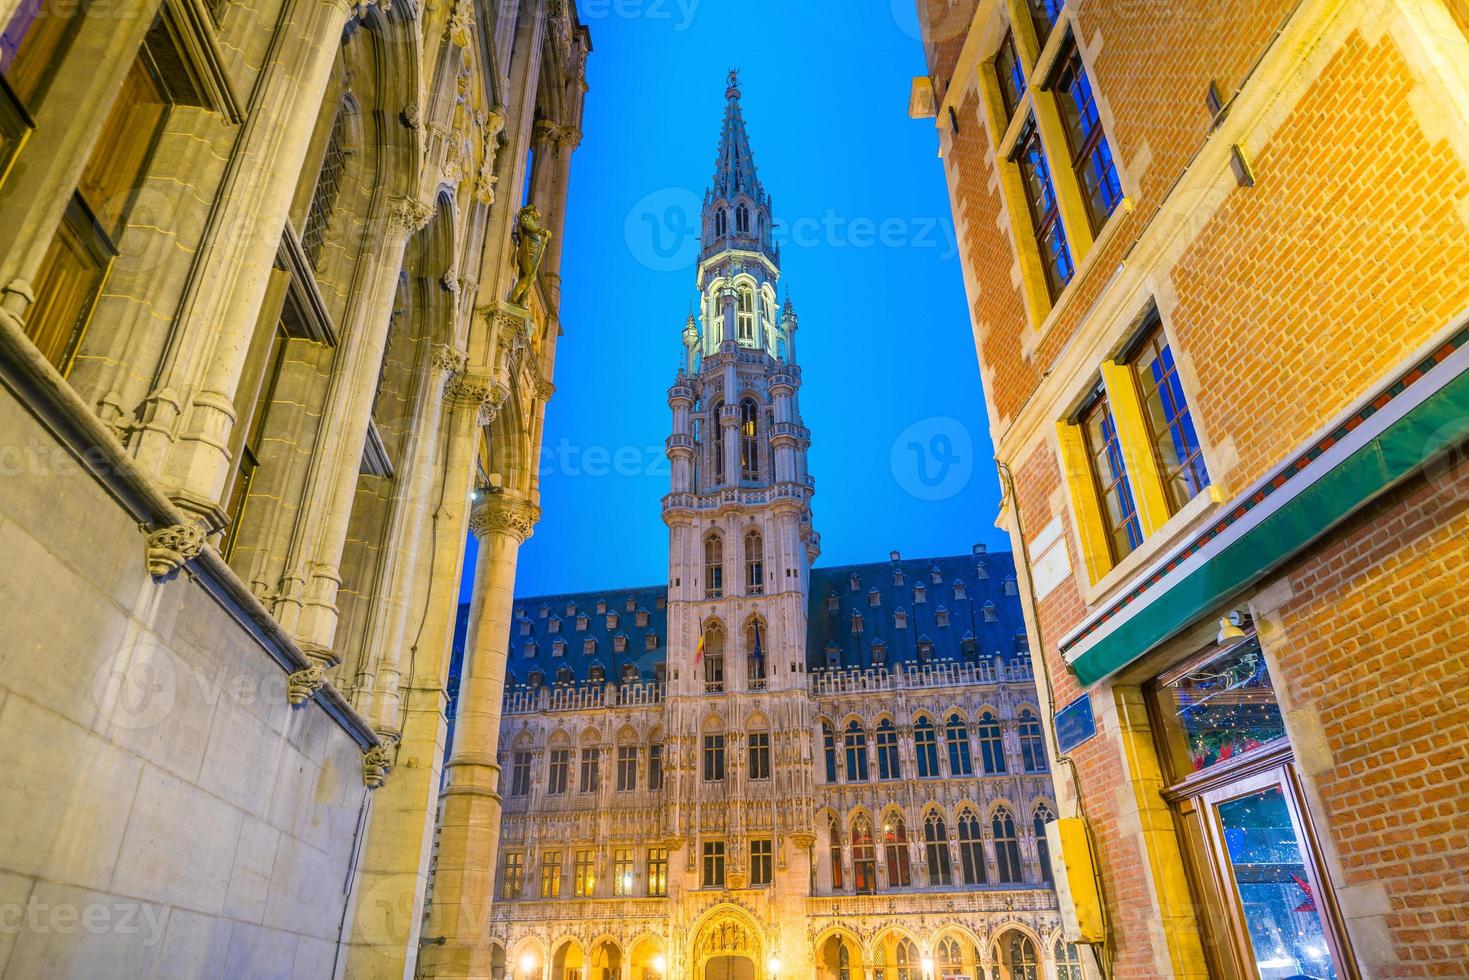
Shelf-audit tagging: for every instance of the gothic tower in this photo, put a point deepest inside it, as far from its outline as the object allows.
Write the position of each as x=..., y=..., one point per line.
x=740, y=551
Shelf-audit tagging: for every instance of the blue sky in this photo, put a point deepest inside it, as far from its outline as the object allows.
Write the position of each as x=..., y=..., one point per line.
x=900, y=448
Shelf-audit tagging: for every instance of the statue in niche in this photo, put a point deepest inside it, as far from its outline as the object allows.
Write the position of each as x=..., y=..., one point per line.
x=531, y=238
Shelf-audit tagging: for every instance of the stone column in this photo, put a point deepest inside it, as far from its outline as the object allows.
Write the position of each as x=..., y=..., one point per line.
x=190, y=412
x=308, y=606
x=395, y=853
x=469, y=829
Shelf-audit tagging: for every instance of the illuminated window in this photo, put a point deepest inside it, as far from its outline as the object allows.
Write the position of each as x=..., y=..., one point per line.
x=657, y=872
x=1010, y=76
x=622, y=872
x=761, y=863
x=834, y=839
x=713, y=864
x=1091, y=155
x=550, y=874
x=895, y=852
x=864, y=856
x=718, y=443
x=745, y=314
x=584, y=877
x=1109, y=477
x=1018, y=956
x=1170, y=423
x=1045, y=215
x=513, y=874
x=1068, y=961
x=749, y=447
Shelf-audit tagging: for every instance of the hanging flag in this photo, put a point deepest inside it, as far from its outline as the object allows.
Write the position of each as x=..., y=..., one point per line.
x=699, y=650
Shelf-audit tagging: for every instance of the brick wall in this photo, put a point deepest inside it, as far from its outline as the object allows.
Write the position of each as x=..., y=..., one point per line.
x=1373, y=643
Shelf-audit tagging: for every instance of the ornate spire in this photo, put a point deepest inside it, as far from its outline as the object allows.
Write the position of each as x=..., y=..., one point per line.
x=734, y=171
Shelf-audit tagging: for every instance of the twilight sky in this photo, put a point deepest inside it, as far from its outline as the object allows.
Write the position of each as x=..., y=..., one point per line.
x=900, y=448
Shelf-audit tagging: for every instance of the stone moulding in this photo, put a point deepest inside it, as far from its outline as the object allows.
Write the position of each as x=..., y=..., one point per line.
x=32, y=381
x=172, y=547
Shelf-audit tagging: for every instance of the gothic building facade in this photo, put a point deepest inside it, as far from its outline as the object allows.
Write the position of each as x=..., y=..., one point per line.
x=279, y=289
x=760, y=768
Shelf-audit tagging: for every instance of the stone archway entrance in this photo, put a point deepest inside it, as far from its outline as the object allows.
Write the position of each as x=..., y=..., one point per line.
x=729, y=968
x=727, y=948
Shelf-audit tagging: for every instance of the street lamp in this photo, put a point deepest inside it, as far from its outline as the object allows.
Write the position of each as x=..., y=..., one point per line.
x=774, y=966
x=659, y=964
x=928, y=967
x=528, y=963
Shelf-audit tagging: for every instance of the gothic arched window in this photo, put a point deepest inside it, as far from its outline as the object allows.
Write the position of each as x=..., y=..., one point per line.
x=895, y=852
x=745, y=314
x=1017, y=954
x=1032, y=752
x=713, y=567
x=829, y=750
x=1043, y=816
x=1007, y=846
x=721, y=222
x=991, y=744
x=926, y=748
x=713, y=658
x=742, y=220
x=956, y=736
x=755, y=641
x=936, y=849
x=855, y=743
x=718, y=441
x=971, y=848
x=864, y=856
x=754, y=563
x=1068, y=961
x=887, y=750
x=749, y=448
x=834, y=839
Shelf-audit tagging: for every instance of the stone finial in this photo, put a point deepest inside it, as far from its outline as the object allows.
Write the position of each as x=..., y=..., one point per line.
x=171, y=548
x=303, y=684
x=377, y=762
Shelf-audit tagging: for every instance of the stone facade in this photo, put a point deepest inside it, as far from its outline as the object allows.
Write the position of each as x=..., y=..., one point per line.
x=1215, y=257
x=259, y=373
x=760, y=769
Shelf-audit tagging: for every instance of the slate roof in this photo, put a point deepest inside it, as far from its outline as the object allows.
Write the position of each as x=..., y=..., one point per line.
x=573, y=618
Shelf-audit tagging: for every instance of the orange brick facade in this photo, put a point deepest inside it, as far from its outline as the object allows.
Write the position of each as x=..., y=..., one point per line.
x=1286, y=297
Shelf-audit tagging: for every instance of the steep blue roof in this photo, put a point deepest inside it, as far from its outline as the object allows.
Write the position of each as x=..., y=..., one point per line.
x=946, y=605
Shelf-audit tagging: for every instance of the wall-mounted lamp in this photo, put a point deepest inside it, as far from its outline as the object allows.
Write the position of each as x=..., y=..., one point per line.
x=1231, y=628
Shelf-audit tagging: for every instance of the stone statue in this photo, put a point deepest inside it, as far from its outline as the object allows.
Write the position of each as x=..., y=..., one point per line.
x=530, y=247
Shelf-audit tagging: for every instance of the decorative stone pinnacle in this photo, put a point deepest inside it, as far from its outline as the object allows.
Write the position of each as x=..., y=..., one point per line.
x=171, y=548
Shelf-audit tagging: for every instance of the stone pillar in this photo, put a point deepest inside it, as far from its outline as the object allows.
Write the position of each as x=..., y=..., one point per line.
x=470, y=826
x=190, y=412
x=308, y=607
x=395, y=853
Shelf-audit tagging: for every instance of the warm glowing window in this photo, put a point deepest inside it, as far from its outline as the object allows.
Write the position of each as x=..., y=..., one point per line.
x=622, y=872
x=584, y=880
x=1109, y=477
x=1045, y=214
x=550, y=874
x=895, y=852
x=745, y=314
x=749, y=446
x=513, y=874
x=864, y=856
x=657, y=872
x=834, y=839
